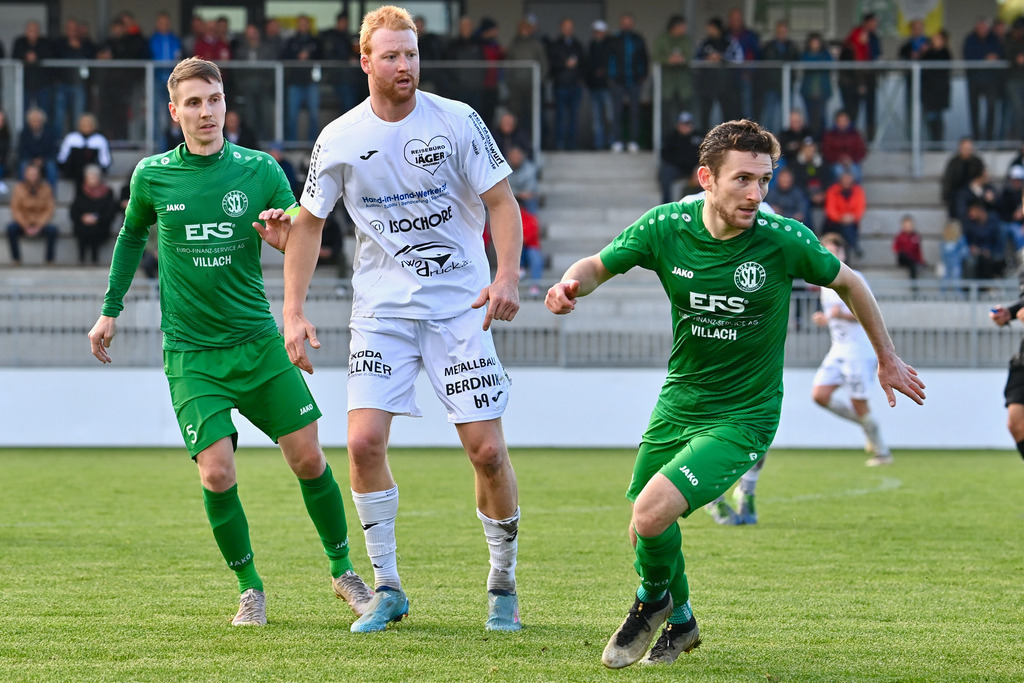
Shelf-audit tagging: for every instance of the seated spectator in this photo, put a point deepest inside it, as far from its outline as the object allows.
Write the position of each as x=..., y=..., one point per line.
x=954, y=251
x=792, y=139
x=524, y=180
x=845, y=204
x=960, y=170
x=788, y=199
x=92, y=212
x=510, y=134
x=811, y=175
x=533, y=257
x=83, y=147
x=907, y=246
x=985, y=252
x=1008, y=207
x=978, y=187
x=32, y=208
x=679, y=153
x=237, y=132
x=37, y=146
x=843, y=147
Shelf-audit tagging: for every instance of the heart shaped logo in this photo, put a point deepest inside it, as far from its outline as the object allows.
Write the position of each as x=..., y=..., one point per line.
x=428, y=155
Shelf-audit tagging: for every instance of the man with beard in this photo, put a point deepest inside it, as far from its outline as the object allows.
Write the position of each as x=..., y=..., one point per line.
x=416, y=172
x=728, y=269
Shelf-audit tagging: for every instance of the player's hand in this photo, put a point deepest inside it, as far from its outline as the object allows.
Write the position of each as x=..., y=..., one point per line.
x=819, y=319
x=1000, y=316
x=895, y=375
x=296, y=331
x=561, y=298
x=502, y=299
x=100, y=336
x=276, y=227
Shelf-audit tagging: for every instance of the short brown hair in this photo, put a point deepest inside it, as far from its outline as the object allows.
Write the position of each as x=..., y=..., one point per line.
x=742, y=135
x=834, y=239
x=388, y=17
x=193, y=67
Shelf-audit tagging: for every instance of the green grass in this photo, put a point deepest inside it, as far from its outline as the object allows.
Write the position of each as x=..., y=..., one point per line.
x=915, y=572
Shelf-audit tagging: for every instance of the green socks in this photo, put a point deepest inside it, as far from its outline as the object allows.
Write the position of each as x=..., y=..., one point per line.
x=231, y=531
x=324, y=505
x=660, y=564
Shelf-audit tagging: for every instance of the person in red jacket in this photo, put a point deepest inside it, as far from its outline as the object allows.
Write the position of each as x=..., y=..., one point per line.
x=843, y=147
x=907, y=246
x=845, y=204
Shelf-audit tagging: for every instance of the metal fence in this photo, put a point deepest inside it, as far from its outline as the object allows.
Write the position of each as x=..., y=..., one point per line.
x=941, y=324
x=130, y=97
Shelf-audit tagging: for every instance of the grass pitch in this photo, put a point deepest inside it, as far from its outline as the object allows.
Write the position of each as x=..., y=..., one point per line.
x=914, y=572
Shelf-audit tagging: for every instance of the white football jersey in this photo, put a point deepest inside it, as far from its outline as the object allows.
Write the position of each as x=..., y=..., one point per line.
x=413, y=191
x=848, y=336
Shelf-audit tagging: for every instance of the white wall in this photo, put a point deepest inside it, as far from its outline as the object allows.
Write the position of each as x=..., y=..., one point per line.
x=549, y=407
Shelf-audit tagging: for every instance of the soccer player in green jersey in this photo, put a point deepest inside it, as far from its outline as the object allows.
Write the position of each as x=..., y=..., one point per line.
x=222, y=348
x=728, y=270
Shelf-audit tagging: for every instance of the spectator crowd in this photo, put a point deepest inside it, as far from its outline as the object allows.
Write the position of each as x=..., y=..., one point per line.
x=71, y=113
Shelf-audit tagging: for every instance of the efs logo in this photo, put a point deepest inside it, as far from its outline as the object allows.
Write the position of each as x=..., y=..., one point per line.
x=717, y=303
x=205, y=231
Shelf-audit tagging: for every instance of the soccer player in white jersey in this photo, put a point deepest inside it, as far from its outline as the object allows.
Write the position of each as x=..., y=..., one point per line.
x=850, y=363
x=416, y=173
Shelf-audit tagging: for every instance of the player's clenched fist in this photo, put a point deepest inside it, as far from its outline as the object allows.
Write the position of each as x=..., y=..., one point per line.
x=561, y=298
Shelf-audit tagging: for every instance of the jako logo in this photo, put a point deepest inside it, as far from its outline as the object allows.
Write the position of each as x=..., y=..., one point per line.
x=306, y=408
x=175, y=207
x=682, y=272
x=207, y=230
x=713, y=303
x=689, y=475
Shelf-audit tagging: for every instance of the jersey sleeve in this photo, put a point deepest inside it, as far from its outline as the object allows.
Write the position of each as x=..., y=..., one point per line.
x=633, y=246
x=130, y=244
x=482, y=161
x=324, y=181
x=279, y=191
x=806, y=258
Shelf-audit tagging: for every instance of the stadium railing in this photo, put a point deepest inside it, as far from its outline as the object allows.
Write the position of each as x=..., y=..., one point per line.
x=141, y=103
x=941, y=324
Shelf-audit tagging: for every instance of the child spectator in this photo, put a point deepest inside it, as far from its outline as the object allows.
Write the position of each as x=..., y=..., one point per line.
x=533, y=258
x=954, y=252
x=907, y=246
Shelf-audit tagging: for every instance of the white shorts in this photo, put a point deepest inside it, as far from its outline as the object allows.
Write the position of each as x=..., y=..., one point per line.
x=386, y=354
x=856, y=374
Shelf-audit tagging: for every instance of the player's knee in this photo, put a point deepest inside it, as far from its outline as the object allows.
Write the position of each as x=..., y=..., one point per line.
x=489, y=459
x=363, y=446
x=648, y=520
x=217, y=478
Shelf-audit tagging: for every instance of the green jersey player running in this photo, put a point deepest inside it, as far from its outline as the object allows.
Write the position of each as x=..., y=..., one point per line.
x=728, y=270
x=222, y=349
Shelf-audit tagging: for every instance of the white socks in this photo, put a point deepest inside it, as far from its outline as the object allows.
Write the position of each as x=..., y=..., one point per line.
x=377, y=512
x=503, y=544
x=871, y=430
x=748, y=482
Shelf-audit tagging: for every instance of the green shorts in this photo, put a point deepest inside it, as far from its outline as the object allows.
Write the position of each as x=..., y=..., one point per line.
x=703, y=461
x=257, y=378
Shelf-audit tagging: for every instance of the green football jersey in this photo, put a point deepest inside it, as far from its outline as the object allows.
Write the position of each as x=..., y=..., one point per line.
x=211, y=280
x=730, y=308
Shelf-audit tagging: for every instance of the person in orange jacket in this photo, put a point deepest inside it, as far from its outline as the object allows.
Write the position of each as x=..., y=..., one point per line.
x=845, y=204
